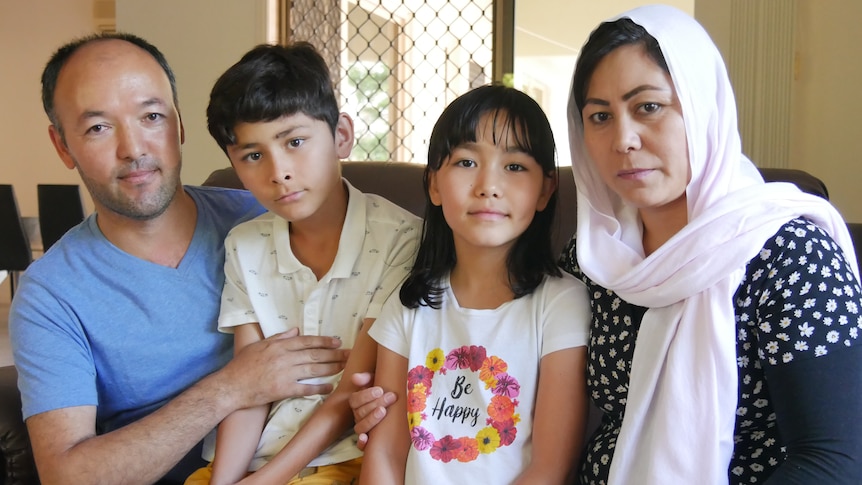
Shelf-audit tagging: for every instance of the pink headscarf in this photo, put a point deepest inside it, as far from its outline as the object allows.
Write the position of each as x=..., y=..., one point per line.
x=681, y=407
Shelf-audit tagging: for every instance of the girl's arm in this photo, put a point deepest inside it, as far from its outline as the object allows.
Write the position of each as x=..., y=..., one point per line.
x=560, y=417
x=239, y=433
x=386, y=454
x=328, y=422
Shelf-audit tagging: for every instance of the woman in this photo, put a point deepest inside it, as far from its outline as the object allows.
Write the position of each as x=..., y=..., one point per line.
x=725, y=311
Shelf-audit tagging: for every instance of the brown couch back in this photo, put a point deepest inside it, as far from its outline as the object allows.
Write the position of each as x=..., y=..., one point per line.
x=401, y=182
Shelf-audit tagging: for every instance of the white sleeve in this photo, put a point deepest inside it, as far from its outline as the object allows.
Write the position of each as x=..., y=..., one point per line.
x=566, y=319
x=398, y=261
x=390, y=328
x=236, y=308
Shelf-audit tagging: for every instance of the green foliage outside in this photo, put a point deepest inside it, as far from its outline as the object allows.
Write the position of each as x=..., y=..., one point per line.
x=369, y=83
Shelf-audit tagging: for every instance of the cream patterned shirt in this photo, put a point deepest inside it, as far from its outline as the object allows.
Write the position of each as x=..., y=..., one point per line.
x=265, y=283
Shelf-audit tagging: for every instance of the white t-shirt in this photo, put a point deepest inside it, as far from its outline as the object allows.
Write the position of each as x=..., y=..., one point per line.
x=473, y=377
x=265, y=283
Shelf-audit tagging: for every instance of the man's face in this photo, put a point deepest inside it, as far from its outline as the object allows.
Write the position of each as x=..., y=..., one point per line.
x=121, y=129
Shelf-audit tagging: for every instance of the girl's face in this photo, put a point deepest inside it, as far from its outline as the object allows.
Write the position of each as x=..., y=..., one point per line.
x=489, y=192
x=634, y=130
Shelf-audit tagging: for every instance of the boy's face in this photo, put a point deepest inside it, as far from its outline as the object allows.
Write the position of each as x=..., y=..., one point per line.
x=291, y=164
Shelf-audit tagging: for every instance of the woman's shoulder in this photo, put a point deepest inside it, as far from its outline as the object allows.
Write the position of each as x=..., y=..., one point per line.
x=799, y=295
x=803, y=245
x=800, y=228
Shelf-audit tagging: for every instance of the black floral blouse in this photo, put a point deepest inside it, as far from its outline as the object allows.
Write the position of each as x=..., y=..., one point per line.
x=798, y=301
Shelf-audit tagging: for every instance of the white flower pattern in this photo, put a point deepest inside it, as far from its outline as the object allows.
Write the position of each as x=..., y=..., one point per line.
x=780, y=305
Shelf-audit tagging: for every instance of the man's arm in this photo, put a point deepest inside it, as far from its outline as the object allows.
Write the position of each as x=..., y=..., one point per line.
x=67, y=450
x=328, y=422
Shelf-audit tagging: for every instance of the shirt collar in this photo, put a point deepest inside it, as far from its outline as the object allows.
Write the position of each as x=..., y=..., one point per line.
x=349, y=243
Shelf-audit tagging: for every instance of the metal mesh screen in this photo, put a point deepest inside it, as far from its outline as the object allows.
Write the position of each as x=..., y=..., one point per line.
x=397, y=63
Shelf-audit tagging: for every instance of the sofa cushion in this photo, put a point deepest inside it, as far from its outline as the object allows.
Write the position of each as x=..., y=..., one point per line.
x=17, y=465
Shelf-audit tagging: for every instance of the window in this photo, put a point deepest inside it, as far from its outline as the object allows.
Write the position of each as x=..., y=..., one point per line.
x=397, y=63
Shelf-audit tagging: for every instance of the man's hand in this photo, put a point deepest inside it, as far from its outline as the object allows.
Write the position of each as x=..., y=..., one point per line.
x=270, y=370
x=369, y=406
x=67, y=449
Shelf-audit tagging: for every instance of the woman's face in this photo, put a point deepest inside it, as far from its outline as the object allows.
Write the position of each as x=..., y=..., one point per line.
x=634, y=130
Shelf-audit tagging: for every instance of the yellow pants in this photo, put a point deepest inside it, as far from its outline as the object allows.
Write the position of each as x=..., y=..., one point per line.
x=346, y=473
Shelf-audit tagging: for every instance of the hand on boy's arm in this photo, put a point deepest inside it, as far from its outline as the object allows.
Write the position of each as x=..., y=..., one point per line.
x=270, y=370
x=67, y=449
x=368, y=405
x=328, y=422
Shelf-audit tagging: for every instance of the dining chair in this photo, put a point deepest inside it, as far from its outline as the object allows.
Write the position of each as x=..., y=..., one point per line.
x=60, y=209
x=15, y=252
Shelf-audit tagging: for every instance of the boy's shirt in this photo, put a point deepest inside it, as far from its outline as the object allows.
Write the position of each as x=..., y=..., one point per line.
x=265, y=283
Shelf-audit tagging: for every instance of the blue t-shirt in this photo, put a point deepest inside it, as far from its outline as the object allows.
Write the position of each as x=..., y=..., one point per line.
x=91, y=325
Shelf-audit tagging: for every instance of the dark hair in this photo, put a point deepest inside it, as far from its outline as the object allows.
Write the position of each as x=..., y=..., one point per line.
x=531, y=257
x=62, y=55
x=269, y=82
x=607, y=37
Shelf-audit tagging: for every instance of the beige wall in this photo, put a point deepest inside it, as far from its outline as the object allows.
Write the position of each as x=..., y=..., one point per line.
x=827, y=105
x=198, y=51
x=825, y=111
x=30, y=31
x=715, y=18
x=825, y=108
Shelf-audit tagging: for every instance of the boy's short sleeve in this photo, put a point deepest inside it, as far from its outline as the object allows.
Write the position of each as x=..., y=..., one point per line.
x=236, y=306
x=398, y=263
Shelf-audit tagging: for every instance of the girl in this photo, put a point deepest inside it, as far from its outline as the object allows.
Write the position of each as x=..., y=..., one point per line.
x=731, y=304
x=485, y=348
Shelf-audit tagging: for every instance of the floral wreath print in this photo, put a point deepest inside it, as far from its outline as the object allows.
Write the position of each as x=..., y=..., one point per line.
x=500, y=429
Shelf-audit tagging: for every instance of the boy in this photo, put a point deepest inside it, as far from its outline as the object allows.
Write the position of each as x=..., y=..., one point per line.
x=323, y=258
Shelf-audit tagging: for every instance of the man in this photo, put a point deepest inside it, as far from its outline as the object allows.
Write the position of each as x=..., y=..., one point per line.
x=113, y=330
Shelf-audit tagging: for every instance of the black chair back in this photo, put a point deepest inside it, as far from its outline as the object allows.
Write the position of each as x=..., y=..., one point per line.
x=855, y=229
x=15, y=252
x=60, y=209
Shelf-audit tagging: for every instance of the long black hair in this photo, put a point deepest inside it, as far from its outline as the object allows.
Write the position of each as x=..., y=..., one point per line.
x=531, y=257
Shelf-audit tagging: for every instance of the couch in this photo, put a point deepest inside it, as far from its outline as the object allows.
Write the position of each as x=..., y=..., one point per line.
x=401, y=183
